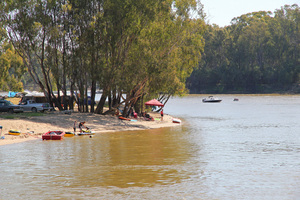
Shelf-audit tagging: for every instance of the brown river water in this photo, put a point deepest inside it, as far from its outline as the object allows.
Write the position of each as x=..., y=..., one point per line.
x=246, y=149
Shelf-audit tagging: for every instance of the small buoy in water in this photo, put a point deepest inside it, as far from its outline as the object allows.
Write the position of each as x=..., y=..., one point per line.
x=91, y=136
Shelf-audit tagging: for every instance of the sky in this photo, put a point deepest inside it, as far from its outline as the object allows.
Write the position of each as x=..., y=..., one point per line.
x=221, y=12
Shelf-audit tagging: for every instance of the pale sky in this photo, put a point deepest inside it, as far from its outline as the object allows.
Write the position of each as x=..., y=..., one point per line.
x=221, y=12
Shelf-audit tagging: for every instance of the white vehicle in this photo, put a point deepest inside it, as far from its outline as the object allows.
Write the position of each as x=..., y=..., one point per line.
x=30, y=105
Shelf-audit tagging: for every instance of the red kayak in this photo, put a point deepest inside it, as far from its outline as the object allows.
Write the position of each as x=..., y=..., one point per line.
x=53, y=135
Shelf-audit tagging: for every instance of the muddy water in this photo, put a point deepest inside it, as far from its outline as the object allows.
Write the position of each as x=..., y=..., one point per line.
x=248, y=149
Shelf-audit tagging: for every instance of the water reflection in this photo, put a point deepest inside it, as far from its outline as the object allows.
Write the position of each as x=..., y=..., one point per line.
x=233, y=150
x=128, y=159
x=124, y=159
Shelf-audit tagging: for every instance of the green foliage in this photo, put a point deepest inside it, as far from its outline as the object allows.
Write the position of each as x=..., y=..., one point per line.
x=258, y=51
x=123, y=46
x=11, y=69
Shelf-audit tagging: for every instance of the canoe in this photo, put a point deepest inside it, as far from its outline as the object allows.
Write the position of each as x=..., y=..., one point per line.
x=124, y=118
x=53, y=135
x=87, y=132
x=69, y=134
x=81, y=134
x=128, y=119
x=175, y=120
x=14, y=132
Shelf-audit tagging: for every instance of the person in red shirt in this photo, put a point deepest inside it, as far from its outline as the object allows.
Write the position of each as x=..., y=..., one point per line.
x=162, y=114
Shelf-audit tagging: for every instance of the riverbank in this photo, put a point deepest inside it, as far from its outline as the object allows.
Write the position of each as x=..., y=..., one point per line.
x=33, y=127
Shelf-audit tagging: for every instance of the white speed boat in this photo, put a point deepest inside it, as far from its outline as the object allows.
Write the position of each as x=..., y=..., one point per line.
x=211, y=99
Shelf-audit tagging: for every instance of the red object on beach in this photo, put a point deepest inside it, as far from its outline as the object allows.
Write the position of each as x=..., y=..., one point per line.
x=53, y=135
x=154, y=102
x=124, y=118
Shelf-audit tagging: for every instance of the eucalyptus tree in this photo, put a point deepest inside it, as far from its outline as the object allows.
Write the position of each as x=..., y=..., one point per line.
x=124, y=46
x=151, y=50
x=11, y=68
x=120, y=23
x=213, y=67
x=167, y=52
x=258, y=52
x=253, y=43
x=287, y=40
x=29, y=26
x=269, y=48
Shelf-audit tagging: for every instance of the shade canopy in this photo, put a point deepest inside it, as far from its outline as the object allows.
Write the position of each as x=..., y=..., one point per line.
x=154, y=102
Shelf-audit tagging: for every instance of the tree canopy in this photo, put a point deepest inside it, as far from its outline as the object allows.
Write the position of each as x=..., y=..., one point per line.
x=143, y=49
x=11, y=66
x=258, y=52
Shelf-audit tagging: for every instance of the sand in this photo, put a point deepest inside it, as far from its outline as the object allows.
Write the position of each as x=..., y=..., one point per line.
x=32, y=128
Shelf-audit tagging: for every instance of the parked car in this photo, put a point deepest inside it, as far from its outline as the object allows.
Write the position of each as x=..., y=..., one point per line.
x=7, y=106
x=35, y=107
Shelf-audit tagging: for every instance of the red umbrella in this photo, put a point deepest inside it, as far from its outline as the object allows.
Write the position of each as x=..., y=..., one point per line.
x=154, y=102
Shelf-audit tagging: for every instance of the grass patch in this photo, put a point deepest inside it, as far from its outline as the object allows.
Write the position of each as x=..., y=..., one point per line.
x=21, y=115
x=7, y=117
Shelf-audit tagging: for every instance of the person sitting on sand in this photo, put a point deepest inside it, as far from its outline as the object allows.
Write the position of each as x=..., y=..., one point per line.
x=81, y=124
x=148, y=117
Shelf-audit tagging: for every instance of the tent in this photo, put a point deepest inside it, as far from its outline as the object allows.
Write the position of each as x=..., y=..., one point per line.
x=154, y=102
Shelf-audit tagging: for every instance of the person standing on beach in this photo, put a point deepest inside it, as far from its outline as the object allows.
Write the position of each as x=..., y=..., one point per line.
x=74, y=127
x=161, y=114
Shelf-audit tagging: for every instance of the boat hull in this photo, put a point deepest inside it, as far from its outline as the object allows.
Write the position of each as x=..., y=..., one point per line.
x=69, y=134
x=177, y=121
x=211, y=101
x=88, y=132
x=14, y=132
x=53, y=135
x=82, y=134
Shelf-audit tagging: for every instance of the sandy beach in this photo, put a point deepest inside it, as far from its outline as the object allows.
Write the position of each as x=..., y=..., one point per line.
x=32, y=128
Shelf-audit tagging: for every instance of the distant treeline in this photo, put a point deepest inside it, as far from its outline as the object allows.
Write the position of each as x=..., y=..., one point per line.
x=259, y=52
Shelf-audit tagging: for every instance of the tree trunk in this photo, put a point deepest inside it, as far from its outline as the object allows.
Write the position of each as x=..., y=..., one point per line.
x=137, y=105
x=71, y=99
x=116, y=98
x=142, y=104
x=99, y=109
x=58, y=95
x=109, y=101
x=86, y=98
x=93, y=95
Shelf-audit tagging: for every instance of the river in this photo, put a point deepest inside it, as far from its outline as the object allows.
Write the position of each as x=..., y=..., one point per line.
x=246, y=149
